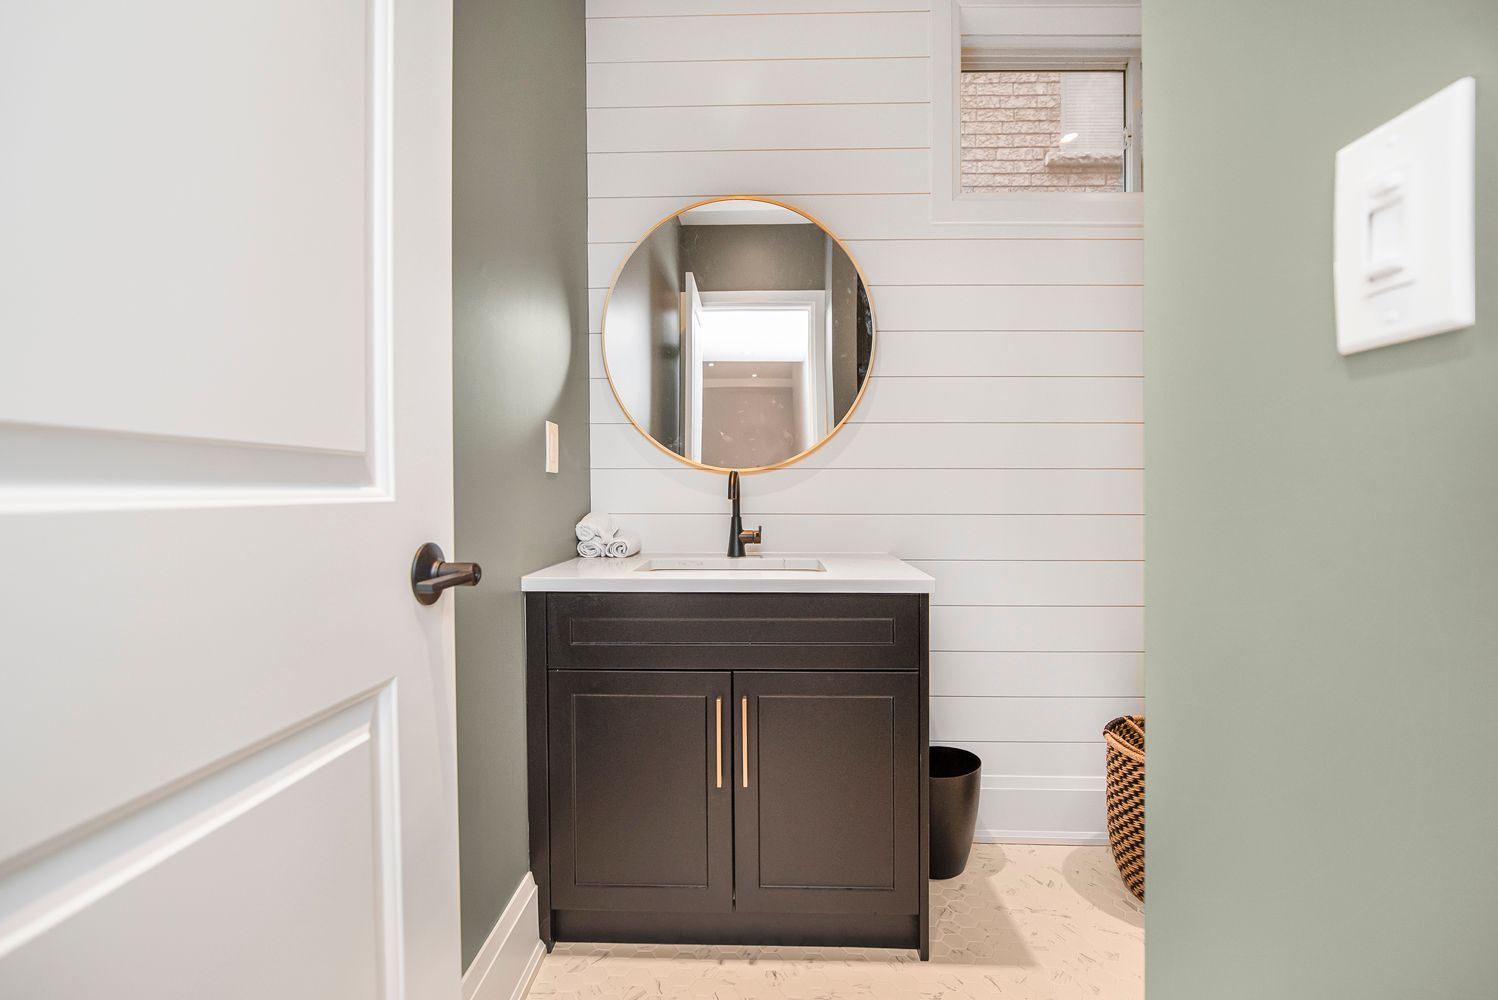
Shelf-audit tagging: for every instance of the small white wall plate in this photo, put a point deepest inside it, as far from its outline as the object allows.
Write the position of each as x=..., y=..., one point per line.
x=1403, y=226
x=553, y=448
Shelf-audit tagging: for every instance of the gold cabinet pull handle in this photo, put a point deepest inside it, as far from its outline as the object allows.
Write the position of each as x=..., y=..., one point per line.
x=718, y=737
x=745, y=703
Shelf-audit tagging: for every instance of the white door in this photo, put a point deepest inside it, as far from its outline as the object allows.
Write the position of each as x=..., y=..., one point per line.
x=692, y=370
x=226, y=726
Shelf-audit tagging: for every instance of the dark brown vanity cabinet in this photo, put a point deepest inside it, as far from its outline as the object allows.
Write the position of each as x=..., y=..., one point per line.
x=729, y=768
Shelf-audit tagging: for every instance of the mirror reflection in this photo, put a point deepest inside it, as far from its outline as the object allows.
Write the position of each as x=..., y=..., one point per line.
x=738, y=334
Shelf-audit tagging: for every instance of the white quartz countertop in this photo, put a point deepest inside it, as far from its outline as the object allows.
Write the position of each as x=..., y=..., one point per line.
x=839, y=574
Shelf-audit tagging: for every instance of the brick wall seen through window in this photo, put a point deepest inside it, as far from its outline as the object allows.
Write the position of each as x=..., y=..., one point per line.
x=1042, y=131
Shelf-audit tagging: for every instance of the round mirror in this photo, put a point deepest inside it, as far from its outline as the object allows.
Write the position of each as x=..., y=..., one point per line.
x=738, y=334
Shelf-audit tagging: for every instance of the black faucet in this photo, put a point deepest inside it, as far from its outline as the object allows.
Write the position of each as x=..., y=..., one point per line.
x=737, y=536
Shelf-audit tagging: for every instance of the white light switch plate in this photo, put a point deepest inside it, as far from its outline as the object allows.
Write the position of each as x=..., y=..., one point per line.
x=1402, y=239
x=553, y=447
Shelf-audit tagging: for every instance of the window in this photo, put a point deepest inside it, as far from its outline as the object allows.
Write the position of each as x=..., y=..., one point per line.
x=1037, y=111
x=1042, y=130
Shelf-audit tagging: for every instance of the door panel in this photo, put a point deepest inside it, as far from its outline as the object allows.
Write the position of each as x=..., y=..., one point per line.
x=294, y=828
x=641, y=803
x=225, y=426
x=826, y=818
x=191, y=208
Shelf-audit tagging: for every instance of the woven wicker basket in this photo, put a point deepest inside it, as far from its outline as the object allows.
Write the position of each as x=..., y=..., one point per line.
x=1124, y=737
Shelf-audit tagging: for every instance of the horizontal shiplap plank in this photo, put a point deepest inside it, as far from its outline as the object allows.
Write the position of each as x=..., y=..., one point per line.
x=939, y=262
x=985, y=446
x=596, y=297
x=969, y=400
x=1017, y=308
x=759, y=36
x=983, y=400
x=927, y=536
x=1026, y=720
x=690, y=176
x=1008, y=307
x=858, y=126
x=603, y=408
x=1037, y=630
x=1037, y=675
x=779, y=82
x=878, y=216
x=981, y=353
x=604, y=260
x=1037, y=583
x=678, y=8
x=1078, y=21
x=620, y=446
x=984, y=353
x=878, y=491
x=902, y=353
x=1000, y=262
x=923, y=446
x=1005, y=758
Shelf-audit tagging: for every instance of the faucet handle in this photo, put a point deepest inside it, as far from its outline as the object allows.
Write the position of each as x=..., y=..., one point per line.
x=752, y=536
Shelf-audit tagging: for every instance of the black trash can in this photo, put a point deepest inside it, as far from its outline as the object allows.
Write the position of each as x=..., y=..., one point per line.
x=955, y=780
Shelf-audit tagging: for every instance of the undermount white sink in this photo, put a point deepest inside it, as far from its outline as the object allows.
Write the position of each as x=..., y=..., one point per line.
x=684, y=564
x=703, y=573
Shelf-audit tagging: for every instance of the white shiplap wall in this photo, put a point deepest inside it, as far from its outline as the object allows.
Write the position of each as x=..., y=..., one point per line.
x=1000, y=445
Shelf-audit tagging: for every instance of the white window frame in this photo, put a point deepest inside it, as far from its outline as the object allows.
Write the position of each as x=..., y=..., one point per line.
x=1034, y=34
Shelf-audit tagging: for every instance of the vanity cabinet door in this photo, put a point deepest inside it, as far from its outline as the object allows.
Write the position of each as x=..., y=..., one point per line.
x=641, y=797
x=826, y=807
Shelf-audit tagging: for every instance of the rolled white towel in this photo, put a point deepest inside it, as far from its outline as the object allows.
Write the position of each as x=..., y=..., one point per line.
x=625, y=543
x=593, y=548
x=595, y=525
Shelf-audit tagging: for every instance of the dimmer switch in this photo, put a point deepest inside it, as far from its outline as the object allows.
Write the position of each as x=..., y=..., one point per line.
x=553, y=448
x=1402, y=257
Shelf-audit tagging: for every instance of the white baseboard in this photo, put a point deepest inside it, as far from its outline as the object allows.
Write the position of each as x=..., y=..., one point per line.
x=1072, y=838
x=506, y=964
x=1024, y=809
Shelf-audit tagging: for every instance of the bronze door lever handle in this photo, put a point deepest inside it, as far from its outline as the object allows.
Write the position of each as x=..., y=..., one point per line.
x=430, y=575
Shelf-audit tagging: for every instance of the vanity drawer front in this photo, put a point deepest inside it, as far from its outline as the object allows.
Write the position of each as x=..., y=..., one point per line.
x=733, y=631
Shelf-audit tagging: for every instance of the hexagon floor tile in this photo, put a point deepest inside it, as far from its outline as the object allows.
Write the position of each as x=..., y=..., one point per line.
x=1023, y=923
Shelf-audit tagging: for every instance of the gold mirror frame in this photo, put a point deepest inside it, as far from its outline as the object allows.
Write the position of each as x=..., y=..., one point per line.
x=857, y=398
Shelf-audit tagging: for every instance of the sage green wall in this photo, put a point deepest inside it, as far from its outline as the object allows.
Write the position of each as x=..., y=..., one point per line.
x=1322, y=531
x=519, y=358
